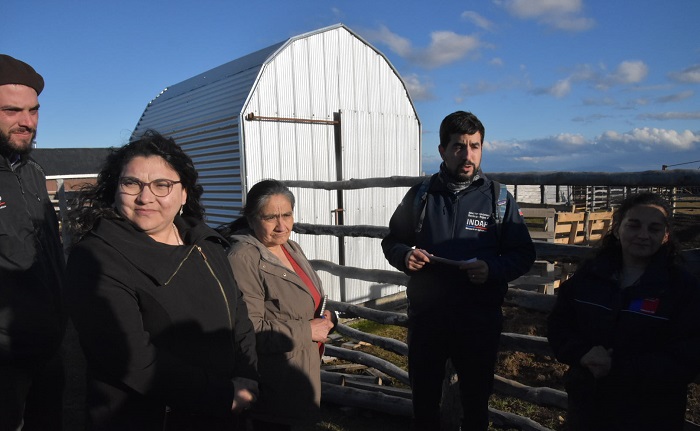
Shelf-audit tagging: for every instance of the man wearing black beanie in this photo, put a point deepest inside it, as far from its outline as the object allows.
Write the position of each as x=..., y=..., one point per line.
x=32, y=263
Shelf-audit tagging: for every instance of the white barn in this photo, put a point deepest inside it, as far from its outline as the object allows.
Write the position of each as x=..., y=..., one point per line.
x=324, y=106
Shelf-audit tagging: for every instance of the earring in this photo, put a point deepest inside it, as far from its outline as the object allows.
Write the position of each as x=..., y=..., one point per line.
x=181, y=207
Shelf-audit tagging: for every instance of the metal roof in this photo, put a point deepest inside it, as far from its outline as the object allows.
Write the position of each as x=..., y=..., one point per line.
x=246, y=63
x=70, y=161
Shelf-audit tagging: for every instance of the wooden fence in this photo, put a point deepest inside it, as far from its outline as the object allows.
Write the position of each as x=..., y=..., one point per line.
x=393, y=400
x=368, y=394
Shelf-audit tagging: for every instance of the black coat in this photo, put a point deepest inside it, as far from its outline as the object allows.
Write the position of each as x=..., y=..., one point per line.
x=32, y=266
x=159, y=324
x=653, y=329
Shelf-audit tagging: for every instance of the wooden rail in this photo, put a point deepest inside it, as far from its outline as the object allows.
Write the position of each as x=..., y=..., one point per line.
x=674, y=178
x=395, y=401
x=589, y=227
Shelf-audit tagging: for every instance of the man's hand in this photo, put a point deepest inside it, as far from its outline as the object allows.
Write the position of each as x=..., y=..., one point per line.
x=246, y=392
x=598, y=360
x=416, y=259
x=478, y=271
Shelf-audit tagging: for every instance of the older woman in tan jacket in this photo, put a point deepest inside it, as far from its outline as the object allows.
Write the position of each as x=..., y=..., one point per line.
x=284, y=298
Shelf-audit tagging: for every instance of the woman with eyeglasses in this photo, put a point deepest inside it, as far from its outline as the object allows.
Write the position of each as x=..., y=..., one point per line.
x=285, y=301
x=165, y=333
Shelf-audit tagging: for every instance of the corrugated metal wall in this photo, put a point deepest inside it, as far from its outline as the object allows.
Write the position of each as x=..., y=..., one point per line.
x=323, y=76
x=375, y=145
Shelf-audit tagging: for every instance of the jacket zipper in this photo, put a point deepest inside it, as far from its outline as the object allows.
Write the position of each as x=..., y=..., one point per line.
x=179, y=266
x=221, y=287
x=455, y=218
x=223, y=293
x=211, y=270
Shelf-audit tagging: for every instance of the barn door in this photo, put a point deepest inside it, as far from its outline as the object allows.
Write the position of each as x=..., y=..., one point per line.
x=371, y=145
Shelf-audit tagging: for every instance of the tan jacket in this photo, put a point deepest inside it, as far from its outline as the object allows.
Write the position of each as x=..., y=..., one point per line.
x=280, y=307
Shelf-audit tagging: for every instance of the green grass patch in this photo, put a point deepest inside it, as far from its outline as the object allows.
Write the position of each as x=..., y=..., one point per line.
x=388, y=331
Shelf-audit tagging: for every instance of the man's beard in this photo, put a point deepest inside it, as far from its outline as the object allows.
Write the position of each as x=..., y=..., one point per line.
x=458, y=176
x=8, y=148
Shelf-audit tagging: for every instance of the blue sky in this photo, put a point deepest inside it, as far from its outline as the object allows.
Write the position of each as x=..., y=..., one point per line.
x=576, y=85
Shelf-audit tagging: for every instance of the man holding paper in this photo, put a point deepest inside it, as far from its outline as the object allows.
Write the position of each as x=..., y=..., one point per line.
x=461, y=238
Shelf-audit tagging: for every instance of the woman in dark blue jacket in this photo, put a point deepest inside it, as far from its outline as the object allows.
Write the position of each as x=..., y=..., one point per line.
x=628, y=325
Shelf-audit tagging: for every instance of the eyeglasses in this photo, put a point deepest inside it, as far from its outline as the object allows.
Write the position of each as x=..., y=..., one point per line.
x=159, y=187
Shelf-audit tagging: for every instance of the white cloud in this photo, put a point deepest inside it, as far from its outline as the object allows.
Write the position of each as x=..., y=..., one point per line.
x=589, y=118
x=636, y=150
x=538, y=8
x=605, y=101
x=689, y=75
x=478, y=20
x=417, y=89
x=501, y=146
x=485, y=87
x=496, y=61
x=640, y=101
x=396, y=43
x=647, y=138
x=630, y=72
x=445, y=47
x=563, y=144
x=627, y=72
x=677, y=97
x=671, y=116
x=570, y=139
x=561, y=88
x=564, y=15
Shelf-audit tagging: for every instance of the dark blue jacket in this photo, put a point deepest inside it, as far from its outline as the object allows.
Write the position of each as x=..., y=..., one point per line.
x=459, y=227
x=653, y=328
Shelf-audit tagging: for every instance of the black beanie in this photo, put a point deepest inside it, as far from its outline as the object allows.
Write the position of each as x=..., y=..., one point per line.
x=13, y=71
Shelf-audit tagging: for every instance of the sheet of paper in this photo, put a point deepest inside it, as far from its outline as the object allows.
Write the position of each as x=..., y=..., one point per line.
x=437, y=259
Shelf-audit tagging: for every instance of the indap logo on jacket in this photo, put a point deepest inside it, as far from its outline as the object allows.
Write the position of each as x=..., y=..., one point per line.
x=477, y=221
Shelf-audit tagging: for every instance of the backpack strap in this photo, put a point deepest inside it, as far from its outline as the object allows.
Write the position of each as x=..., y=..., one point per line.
x=499, y=205
x=420, y=201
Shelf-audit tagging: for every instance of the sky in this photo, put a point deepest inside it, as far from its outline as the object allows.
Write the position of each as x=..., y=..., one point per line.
x=560, y=85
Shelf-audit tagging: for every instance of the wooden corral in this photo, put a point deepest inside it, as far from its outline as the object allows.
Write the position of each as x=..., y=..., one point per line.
x=365, y=394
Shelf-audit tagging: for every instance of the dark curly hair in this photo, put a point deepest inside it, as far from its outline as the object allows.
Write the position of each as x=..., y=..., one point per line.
x=96, y=201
